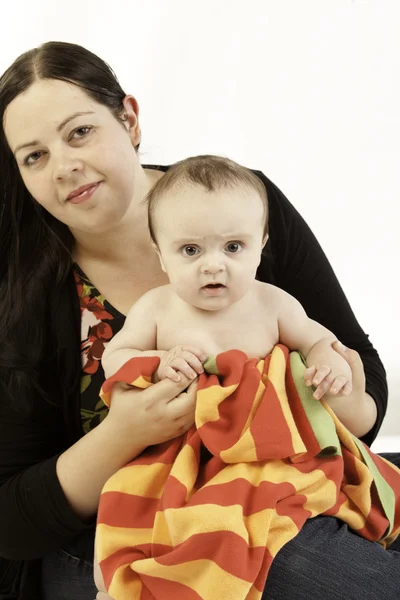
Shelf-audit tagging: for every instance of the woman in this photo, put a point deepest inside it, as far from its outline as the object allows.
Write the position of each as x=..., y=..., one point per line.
x=75, y=256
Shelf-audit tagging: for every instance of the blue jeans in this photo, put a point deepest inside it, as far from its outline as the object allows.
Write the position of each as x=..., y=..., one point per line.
x=325, y=561
x=68, y=573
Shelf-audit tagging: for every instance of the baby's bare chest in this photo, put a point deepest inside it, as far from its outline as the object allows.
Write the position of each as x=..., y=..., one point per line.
x=253, y=332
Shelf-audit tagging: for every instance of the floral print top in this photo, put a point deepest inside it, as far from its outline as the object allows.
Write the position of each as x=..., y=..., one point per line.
x=99, y=323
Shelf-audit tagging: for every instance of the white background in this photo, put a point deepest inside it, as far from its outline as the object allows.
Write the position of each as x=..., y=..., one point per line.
x=307, y=91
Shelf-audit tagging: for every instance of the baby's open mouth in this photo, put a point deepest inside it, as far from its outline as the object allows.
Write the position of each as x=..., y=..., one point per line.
x=213, y=289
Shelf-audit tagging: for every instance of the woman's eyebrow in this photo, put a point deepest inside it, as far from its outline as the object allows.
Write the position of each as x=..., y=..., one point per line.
x=59, y=128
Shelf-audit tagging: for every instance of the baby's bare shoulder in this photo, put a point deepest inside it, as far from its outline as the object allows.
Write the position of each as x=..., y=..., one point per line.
x=159, y=294
x=150, y=301
x=269, y=293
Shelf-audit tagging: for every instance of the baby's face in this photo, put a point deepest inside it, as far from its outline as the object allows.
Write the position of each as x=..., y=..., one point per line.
x=210, y=243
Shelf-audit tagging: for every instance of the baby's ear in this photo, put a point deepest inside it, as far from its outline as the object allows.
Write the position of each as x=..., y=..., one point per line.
x=159, y=256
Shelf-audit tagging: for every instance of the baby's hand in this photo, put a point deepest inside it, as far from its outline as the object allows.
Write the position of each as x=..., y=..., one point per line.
x=186, y=360
x=335, y=380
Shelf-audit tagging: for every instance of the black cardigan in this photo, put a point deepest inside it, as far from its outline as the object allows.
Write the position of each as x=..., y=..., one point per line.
x=35, y=517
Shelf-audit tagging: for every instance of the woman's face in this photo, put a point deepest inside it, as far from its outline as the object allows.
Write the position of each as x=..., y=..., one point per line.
x=63, y=141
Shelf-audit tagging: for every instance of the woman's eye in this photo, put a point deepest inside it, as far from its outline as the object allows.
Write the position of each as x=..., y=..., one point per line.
x=32, y=158
x=190, y=250
x=81, y=132
x=234, y=247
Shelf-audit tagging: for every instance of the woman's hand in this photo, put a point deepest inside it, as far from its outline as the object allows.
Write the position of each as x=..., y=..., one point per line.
x=157, y=414
x=357, y=411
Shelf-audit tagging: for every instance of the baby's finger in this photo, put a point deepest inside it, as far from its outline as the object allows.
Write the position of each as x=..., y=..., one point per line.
x=338, y=384
x=194, y=362
x=180, y=364
x=171, y=374
x=322, y=388
x=348, y=388
x=309, y=374
x=202, y=356
x=322, y=373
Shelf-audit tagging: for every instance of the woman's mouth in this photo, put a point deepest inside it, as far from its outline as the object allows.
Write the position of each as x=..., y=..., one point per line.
x=84, y=195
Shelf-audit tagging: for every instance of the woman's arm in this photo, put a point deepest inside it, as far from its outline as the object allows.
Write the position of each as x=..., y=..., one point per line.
x=47, y=501
x=295, y=262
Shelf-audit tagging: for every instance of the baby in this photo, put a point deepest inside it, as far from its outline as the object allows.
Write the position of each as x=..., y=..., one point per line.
x=208, y=221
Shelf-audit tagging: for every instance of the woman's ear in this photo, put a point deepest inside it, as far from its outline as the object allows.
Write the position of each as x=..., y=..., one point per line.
x=265, y=240
x=130, y=117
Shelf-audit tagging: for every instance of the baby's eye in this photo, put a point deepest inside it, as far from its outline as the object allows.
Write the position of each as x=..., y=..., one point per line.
x=190, y=250
x=234, y=247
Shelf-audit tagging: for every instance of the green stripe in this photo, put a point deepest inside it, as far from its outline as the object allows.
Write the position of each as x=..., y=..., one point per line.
x=385, y=491
x=320, y=420
x=210, y=365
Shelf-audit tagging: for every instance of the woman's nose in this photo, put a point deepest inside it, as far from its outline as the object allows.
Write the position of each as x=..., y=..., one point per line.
x=66, y=163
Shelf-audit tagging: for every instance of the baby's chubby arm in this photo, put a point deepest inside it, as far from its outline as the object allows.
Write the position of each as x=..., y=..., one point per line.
x=138, y=337
x=327, y=370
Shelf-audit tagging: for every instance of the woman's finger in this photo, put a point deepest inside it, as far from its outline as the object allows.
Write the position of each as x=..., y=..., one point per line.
x=354, y=361
x=184, y=404
x=165, y=389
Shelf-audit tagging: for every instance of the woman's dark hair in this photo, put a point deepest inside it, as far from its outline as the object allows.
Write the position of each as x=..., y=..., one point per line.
x=35, y=248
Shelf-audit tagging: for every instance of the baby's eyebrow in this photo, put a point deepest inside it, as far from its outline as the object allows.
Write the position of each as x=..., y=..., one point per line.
x=196, y=239
x=181, y=242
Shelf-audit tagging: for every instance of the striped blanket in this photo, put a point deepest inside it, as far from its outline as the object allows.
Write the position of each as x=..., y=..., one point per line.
x=202, y=516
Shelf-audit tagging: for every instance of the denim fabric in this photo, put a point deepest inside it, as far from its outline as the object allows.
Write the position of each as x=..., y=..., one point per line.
x=68, y=573
x=325, y=561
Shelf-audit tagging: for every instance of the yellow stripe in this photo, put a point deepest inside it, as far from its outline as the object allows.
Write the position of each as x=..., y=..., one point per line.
x=245, y=449
x=348, y=515
x=182, y=523
x=110, y=539
x=203, y=576
x=125, y=584
x=276, y=375
x=267, y=528
x=142, y=382
x=185, y=469
x=208, y=401
x=140, y=480
x=254, y=594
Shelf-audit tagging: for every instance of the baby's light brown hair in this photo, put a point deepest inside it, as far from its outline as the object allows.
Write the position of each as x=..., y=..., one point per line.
x=211, y=172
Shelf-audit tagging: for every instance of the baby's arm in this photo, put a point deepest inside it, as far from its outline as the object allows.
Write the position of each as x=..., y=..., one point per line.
x=327, y=371
x=138, y=337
